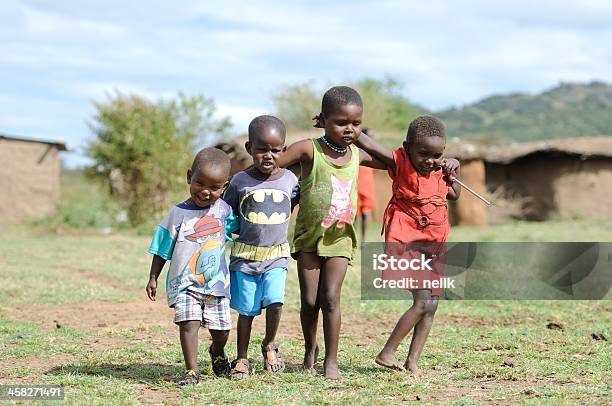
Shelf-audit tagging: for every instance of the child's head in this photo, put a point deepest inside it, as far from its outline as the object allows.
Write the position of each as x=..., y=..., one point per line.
x=266, y=142
x=425, y=143
x=341, y=114
x=208, y=175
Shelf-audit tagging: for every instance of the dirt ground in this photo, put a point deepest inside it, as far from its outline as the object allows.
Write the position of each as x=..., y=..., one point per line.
x=102, y=318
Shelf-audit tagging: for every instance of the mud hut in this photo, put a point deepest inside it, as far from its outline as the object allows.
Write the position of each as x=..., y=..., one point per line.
x=239, y=157
x=554, y=178
x=29, y=178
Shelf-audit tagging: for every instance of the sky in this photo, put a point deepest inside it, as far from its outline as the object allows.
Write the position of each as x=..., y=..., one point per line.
x=57, y=57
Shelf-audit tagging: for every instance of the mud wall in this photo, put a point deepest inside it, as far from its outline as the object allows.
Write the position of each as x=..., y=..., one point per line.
x=540, y=186
x=29, y=180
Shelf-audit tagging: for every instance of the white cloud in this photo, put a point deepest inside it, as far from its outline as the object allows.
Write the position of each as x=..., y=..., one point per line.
x=100, y=91
x=241, y=115
x=240, y=52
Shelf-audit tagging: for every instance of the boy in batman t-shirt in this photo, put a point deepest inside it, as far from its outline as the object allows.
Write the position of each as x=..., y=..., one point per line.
x=261, y=198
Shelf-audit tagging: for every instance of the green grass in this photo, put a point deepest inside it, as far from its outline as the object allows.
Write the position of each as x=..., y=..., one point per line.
x=84, y=204
x=138, y=364
x=79, y=257
x=23, y=339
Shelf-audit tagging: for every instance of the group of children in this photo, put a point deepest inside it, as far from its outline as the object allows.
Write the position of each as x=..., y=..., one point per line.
x=255, y=207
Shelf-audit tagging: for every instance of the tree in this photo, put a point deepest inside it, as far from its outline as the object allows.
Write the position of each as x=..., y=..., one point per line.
x=385, y=108
x=296, y=105
x=142, y=149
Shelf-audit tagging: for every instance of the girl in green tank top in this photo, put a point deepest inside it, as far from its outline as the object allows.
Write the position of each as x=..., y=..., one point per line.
x=328, y=201
x=324, y=238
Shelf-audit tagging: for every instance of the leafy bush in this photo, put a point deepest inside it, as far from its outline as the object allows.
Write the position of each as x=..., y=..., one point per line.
x=297, y=104
x=142, y=149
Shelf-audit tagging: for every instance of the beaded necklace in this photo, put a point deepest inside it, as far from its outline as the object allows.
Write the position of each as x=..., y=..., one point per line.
x=330, y=144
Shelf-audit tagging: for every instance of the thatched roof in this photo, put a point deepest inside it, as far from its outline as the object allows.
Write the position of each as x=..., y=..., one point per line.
x=59, y=143
x=583, y=147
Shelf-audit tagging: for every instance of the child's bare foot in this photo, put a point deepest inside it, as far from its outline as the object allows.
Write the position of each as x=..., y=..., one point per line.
x=310, y=359
x=332, y=372
x=413, y=368
x=388, y=360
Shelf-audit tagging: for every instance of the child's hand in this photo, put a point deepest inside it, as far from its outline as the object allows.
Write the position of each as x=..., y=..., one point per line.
x=448, y=165
x=152, y=288
x=359, y=141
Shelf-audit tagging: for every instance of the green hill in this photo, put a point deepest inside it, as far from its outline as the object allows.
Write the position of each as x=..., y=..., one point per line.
x=568, y=110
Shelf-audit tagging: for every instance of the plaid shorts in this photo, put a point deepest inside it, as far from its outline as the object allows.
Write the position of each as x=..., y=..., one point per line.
x=212, y=311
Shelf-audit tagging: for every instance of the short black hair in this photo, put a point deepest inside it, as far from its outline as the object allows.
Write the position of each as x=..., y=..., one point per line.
x=339, y=96
x=214, y=157
x=425, y=126
x=260, y=122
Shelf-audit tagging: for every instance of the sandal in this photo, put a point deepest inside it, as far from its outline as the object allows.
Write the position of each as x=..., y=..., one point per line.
x=240, y=368
x=272, y=359
x=220, y=363
x=191, y=378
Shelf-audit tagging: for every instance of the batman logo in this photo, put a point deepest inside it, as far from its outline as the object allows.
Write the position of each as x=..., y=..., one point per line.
x=266, y=206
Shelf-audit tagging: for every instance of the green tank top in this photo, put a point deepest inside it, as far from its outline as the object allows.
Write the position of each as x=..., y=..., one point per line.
x=328, y=204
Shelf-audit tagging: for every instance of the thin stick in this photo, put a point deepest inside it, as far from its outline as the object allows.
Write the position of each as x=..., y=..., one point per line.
x=472, y=191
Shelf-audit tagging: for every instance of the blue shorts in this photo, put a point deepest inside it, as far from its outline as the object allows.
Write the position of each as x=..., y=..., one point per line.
x=251, y=293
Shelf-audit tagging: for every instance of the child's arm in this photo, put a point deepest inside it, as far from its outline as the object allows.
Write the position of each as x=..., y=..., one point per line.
x=161, y=247
x=156, y=267
x=232, y=224
x=375, y=150
x=295, y=168
x=368, y=160
x=451, y=166
x=297, y=153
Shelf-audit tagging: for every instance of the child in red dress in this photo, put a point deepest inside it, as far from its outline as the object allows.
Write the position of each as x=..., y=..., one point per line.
x=416, y=214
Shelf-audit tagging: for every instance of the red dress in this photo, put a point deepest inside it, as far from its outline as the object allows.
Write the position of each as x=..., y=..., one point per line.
x=416, y=213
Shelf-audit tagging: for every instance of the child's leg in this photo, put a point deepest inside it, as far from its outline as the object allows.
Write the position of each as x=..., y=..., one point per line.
x=273, y=316
x=404, y=325
x=219, y=339
x=273, y=297
x=243, y=333
x=188, y=315
x=245, y=300
x=365, y=220
x=273, y=362
x=332, y=276
x=189, y=343
x=309, y=270
x=421, y=331
x=217, y=318
x=220, y=362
